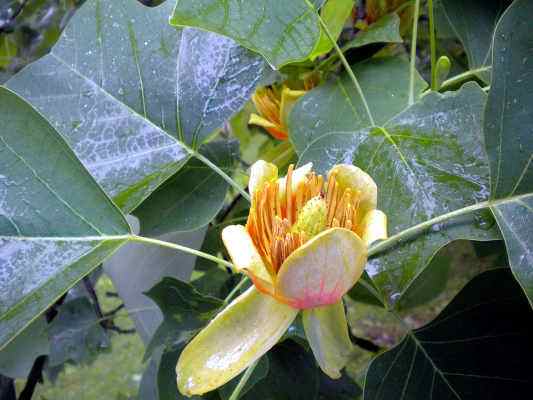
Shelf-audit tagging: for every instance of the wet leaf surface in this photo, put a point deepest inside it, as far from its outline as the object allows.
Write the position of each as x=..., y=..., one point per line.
x=427, y=160
x=509, y=138
x=114, y=87
x=336, y=107
x=50, y=235
x=193, y=196
x=280, y=31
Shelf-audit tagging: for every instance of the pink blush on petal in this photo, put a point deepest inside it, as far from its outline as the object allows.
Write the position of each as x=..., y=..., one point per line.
x=317, y=299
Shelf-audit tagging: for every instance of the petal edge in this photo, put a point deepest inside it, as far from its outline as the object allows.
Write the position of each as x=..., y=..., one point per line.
x=238, y=336
x=321, y=271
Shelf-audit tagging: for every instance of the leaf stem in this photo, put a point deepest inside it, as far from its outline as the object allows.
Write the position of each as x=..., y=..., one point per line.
x=236, y=393
x=220, y=172
x=237, y=287
x=463, y=77
x=412, y=69
x=416, y=229
x=185, y=249
x=433, y=46
x=346, y=65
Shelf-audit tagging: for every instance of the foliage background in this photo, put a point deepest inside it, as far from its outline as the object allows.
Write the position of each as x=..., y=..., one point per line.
x=115, y=360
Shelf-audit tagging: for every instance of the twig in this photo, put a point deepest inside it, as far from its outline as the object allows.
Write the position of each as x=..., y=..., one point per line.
x=35, y=376
x=412, y=61
x=92, y=293
x=114, y=310
x=118, y=329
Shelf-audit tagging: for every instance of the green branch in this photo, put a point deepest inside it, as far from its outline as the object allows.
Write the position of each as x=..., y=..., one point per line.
x=412, y=65
x=185, y=249
x=236, y=393
x=345, y=63
x=236, y=289
x=467, y=75
x=433, y=46
x=423, y=226
x=219, y=171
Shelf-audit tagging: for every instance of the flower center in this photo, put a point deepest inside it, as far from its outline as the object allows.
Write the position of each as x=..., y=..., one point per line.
x=279, y=221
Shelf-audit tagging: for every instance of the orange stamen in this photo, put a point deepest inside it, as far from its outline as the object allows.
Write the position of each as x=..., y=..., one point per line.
x=272, y=216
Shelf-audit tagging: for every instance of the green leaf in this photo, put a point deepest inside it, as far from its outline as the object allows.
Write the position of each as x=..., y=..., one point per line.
x=334, y=13
x=427, y=160
x=75, y=334
x=365, y=292
x=185, y=311
x=344, y=388
x=479, y=347
x=216, y=77
x=108, y=86
x=515, y=219
x=111, y=87
x=449, y=270
x=56, y=224
x=216, y=282
x=192, y=197
x=384, y=30
x=336, y=106
x=166, y=378
x=293, y=375
x=473, y=22
x=509, y=137
x=281, y=31
x=17, y=358
x=509, y=116
x=137, y=267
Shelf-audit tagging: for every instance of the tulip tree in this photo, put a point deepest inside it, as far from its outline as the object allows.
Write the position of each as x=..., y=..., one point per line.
x=331, y=152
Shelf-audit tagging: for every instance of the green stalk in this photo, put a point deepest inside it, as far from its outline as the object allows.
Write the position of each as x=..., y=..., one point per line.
x=236, y=393
x=235, y=290
x=185, y=249
x=412, y=68
x=423, y=226
x=346, y=65
x=433, y=46
x=457, y=79
x=219, y=171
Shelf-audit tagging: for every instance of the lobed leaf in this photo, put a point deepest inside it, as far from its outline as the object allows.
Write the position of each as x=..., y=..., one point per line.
x=114, y=87
x=384, y=30
x=427, y=160
x=509, y=138
x=56, y=224
x=468, y=352
x=281, y=31
x=185, y=311
x=336, y=106
x=473, y=23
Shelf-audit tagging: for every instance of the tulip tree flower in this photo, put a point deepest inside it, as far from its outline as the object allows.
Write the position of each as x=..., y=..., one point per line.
x=274, y=106
x=304, y=246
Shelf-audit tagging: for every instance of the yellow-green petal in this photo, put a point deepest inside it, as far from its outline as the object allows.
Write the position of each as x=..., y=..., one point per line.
x=288, y=100
x=374, y=226
x=261, y=172
x=242, y=251
x=326, y=330
x=321, y=271
x=354, y=178
x=238, y=336
x=260, y=121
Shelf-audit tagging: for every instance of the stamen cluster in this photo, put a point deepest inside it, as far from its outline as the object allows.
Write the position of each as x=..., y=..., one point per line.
x=276, y=208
